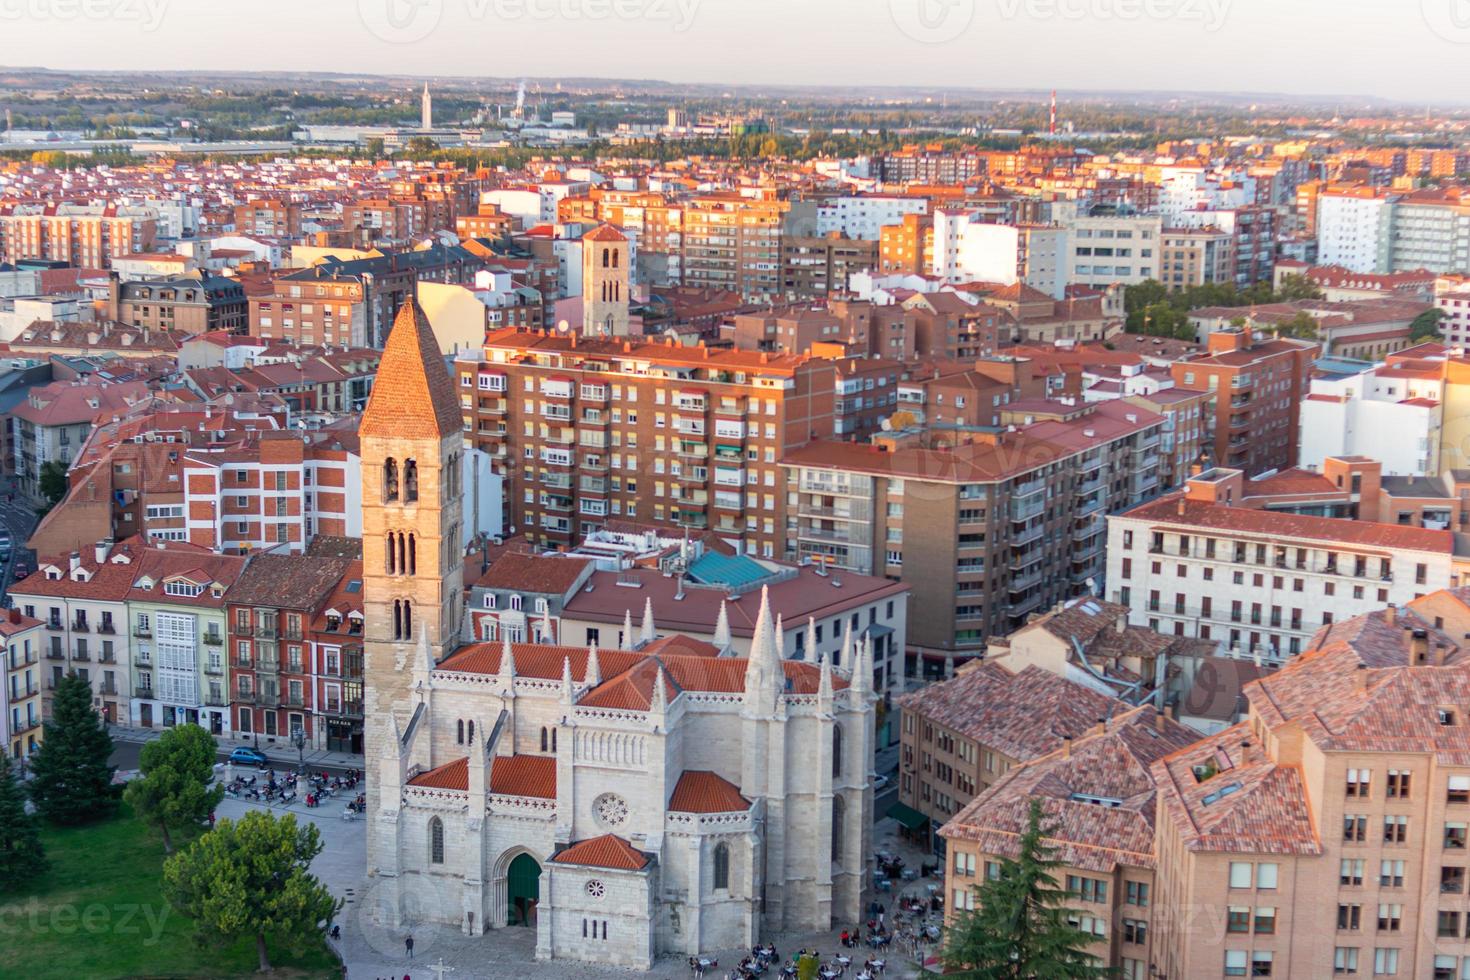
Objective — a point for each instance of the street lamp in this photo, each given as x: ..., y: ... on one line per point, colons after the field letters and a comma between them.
x: 298, y: 739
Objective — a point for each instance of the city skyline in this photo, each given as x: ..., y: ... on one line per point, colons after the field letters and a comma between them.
x: 1306, y: 50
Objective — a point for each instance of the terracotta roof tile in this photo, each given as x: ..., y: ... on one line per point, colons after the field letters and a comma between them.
x: 413, y: 395
x: 700, y: 791
x: 510, y: 775
x: 608, y: 851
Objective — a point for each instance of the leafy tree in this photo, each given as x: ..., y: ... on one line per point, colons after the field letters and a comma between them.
x: 1303, y: 326
x: 1019, y: 928
x: 1161, y: 320
x: 52, y: 481
x: 72, y: 781
x: 251, y: 878
x: 1294, y: 286
x: 1425, y: 326
x: 174, y: 789
x: 21, y: 856
x: 375, y: 147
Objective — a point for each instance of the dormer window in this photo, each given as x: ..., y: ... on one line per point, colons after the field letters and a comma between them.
x: 1446, y: 716
x: 182, y: 588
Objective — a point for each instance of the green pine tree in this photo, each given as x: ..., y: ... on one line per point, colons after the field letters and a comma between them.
x: 21, y: 856
x: 73, y: 780
x: 1019, y: 928
x: 251, y: 878
x: 174, y: 789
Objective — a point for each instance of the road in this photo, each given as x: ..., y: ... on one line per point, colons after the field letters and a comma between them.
x: 18, y: 517
x: 125, y: 756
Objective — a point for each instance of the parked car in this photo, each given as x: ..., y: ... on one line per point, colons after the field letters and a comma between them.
x: 5, y: 546
x: 19, y: 572
x: 246, y: 756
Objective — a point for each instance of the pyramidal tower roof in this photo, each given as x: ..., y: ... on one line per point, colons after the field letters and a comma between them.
x: 413, y: 394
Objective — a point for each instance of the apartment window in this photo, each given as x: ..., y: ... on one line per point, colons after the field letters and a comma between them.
x: 1451, y: 880
x: 1398, y: 784
x: 1454, y: 836
x: 1391, y: 874
x: 1359, y: 782
x: 1345, y: 960
x: 1349, y: 917
x: 1236, y: 962
x: 1240, y: 874
x: 1350, y: 871
x: 1447, y: 925
x: 1136, y: 893
x: 1266, y: 875
x: 1265, y: 921
x: 1354, y: 828
x: 1395, y: 829
x: 1385, y: 962
x: 1390, y: 917
x: 1262, y: 963
x: 1238, y: 919
x: 1087, y: 889
x: 1135, y: 931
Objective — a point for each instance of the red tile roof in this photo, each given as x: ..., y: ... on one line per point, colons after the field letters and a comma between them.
x: 700, y: 791
x: 510, y: 775
x: 607, y: 851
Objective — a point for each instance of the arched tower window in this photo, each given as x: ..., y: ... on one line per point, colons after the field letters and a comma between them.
x: 436, y: 841
x: 615, y: 258
x: 390, y: 554
x: 839, y: 808
x: 390, y: 480
x: 544, y: 740
x: 553, y: 740
x: 722, y: 865
x: 407, y: 620
x: 397, y: 619
x: 412, y: 555
x: 470, y: 739
x: 836, y: 751
x: 410, y: 481
x: 459, y: 732
x: 605, y: 253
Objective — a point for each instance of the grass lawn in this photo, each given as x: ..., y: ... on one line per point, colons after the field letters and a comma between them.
x: 99, y: 913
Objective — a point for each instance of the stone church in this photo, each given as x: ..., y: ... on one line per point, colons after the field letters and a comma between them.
x: 664, y: 797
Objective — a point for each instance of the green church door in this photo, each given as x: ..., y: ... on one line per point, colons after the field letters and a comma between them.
x: 523, y: 888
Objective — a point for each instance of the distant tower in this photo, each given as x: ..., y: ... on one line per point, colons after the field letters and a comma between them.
x: 1052, y: 128
x: 426, y: 113
x: 605, y: 282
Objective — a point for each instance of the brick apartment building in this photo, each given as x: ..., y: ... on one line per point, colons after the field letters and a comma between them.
x: 271, y: 608
x: 586, y: 430
x: 1258, y: 386
x: 985, y: 533
x: 190, y: 304
x: 272, y: 218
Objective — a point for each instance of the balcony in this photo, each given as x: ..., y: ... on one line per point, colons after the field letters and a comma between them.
x: 294, y: 701
x: 107, y: 658
x: 1032, y: 533
x: 55, y: 655
x: 106, y: 627
x: 265, y: 632
x: 1020, y: 583
x: 346, y: 709
x: 146, y: 693
x: 108, y: 690
x: 268, y: 667
x: 80, y: 626
x: 267, y: 699
x: 556, y: 481
x: 1023, y: 606
x: 142, y: 632
x: 213, y: 639
x: 214, y: 668
x: 216, y: 701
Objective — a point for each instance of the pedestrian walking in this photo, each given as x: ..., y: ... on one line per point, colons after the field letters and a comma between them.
x: 408, y: 945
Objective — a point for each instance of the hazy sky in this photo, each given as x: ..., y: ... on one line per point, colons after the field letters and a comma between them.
x: 1417, y: 50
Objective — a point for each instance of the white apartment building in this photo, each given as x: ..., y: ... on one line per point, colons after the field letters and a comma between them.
x: 1431, y: 234
x: 1390, y: 414
x: 1452, y: 298
x: 1183, y: 189
x: 1198, y: 563
x: 1355, y: 229
x: 864, y: 216
x: 1105, y: 249
x: 82, y: 602
x: 968, y: 249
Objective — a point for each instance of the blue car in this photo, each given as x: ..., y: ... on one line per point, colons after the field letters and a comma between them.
x: 246, y: 756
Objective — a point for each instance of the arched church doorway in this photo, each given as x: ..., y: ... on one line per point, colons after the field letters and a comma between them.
x: 523, y: 891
